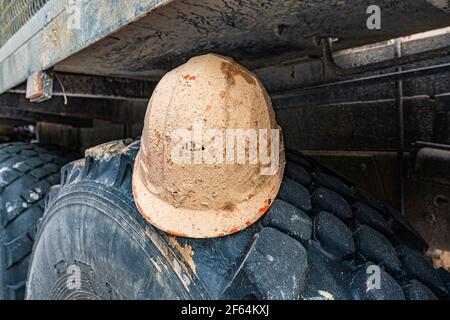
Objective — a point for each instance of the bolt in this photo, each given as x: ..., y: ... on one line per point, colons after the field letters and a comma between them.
x: 430, y: 217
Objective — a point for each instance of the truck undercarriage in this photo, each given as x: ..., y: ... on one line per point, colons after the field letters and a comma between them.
x: 369, y: 101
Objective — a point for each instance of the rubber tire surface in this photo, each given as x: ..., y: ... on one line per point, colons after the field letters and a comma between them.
x: 27, y: 172
x: 323, y: 238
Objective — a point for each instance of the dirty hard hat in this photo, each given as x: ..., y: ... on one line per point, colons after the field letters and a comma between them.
x: 211, y: 159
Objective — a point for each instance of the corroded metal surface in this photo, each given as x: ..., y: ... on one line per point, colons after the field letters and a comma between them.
x: 166, y: 33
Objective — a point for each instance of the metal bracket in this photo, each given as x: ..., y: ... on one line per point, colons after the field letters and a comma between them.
x: 328, y: 60
x: 433, y: 161
x: 40, y: 86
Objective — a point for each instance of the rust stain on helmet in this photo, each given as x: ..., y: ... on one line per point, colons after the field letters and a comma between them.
x: 206, y: 199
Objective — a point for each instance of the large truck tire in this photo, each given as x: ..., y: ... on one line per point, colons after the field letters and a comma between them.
x: 27, y: 171
x: 323, y: 238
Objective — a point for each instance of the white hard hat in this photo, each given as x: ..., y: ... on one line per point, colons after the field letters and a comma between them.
x: 175, y: 186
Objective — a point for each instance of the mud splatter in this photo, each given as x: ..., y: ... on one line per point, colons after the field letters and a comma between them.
x: 186, y: 252
x: 229, y: 206
x: 231, y: 70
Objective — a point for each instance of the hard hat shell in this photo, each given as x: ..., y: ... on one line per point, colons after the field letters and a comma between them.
x: 198, y: 199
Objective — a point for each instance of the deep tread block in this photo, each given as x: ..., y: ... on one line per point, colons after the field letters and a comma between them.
x: 51, y: 167
x: 299, y: 159
x: 334, y: 236
x: 4, y: 157
x: 336, y: 185
x: 7, y: 175
x: 21, y: 166
x: 404, y: 231
x: 60, y: 161
x: 17, y: 249
x: 418, y: 268
x: 274, y: 268
x: 41, y: 203
x: 371, y: 217
x: 375, y: 247
x: 10, y: 210
x: 324, y: 199
x: 34, y: 162
x: 29, y: 153
x: 366, y: 198
x: 31, y: 196
x: 417, y: 291
x: 364, y: 285
x: 16, y: 291
x: 47, y: 157
x: 39, y: 173
x: 32, y: 233
x: 15, y: 148
x: 53, y: 179
x: 289, y: 219
x: 444, y: 274
x: 326, y: 278
x: 297, y: 173
x: 41, y: 187
x: 295, y: 193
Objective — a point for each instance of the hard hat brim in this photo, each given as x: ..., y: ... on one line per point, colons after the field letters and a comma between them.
x: 203, y: 223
